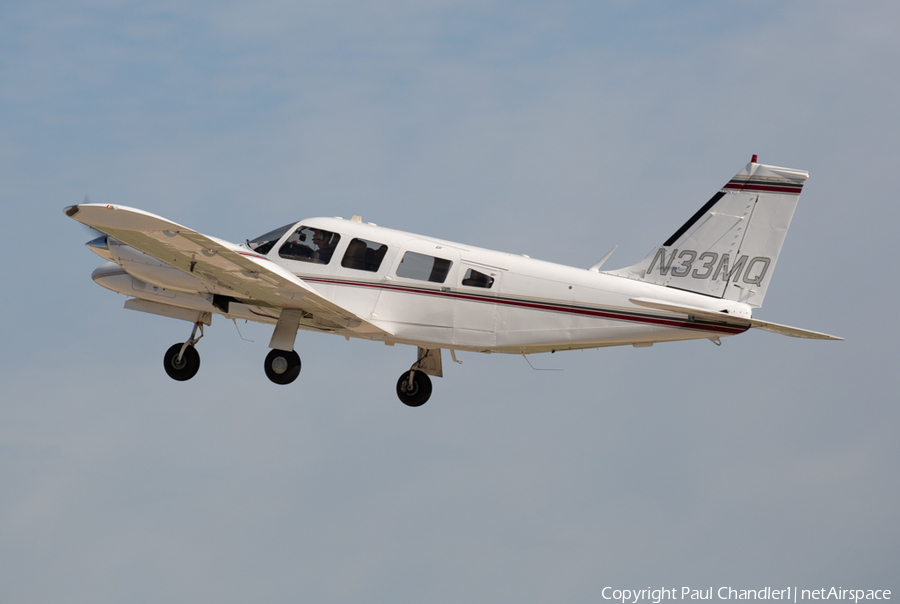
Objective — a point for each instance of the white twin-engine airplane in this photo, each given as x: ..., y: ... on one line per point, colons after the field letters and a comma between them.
x: 360, y: 280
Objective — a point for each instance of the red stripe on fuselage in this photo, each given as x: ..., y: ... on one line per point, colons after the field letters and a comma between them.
x: 546, y: 306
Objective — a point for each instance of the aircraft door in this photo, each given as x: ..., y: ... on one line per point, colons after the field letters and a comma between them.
x: 476, y: 309
x: 417, y: 288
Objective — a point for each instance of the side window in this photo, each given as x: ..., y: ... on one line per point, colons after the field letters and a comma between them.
x: 310, y: 245
x: 364, y: 255
x: 475, y: 279
x: 423, y: 268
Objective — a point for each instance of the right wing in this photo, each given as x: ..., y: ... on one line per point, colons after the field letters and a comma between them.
x: 253, y: 278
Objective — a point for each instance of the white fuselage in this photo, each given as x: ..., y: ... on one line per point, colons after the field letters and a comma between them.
x: 529, y: 305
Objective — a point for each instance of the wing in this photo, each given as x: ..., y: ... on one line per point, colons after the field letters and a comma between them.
x: 250, y: 276
x: 710, y: 315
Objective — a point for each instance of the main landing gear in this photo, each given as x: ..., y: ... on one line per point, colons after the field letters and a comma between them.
x: 414, y: 386
x: 282, y: 366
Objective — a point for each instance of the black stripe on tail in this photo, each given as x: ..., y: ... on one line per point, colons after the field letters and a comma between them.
x: 693, y: 220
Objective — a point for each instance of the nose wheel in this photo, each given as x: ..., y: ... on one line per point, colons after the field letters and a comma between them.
x: 414, y: 388
x: 182, y: 361
x: 282, y: 366
x: 180, y: 364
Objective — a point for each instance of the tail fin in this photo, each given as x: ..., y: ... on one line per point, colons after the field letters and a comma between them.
x: 728, y: 249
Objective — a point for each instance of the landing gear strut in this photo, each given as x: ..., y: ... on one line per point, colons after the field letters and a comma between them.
x: 282, y: 366
x: 182, y: 361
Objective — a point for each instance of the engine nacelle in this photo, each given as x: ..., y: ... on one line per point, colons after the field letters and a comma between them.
x: 161, y: 301
x: 113, y: 277
x: 152, y: 271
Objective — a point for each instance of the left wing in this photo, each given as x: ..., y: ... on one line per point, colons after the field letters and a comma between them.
x: 735, y: 320
x: 252, y: 277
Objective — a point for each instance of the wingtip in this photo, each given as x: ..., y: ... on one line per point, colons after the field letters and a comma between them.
x: 70, y: 211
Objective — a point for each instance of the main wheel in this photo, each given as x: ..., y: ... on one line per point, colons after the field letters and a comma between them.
x: 420, y: 392
x: 282, y: 366
x: 183, y: 369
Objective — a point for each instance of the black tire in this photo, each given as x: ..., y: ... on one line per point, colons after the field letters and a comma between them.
x: 282, y: 366
x: 420, y: 392
x: 186, y: 368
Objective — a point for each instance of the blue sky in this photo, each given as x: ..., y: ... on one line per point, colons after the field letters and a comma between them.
x: 766, y: 461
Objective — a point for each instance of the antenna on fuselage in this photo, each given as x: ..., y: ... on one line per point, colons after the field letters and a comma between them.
x: 596, y: 267
x: 537, y: 368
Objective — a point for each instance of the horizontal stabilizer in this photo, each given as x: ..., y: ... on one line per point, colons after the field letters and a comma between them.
x: 731, y: 319
x: 794, y: 332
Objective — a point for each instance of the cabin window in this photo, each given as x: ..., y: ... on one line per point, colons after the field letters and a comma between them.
x: 364, y: 255
x: 264, y: 243
x: 310, y: 245
x: 474, y: 278
x: 424, y: 268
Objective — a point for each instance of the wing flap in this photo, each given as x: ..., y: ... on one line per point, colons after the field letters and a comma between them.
x: 710, y: 315
x: 249, y: 275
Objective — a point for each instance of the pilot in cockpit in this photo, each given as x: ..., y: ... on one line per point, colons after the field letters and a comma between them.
x: 324, y: 243
x: 310, y: 245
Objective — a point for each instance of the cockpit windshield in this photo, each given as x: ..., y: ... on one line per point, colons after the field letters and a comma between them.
x: 264, y: 243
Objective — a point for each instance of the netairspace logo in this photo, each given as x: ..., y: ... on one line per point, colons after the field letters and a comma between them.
x: 633, y: 596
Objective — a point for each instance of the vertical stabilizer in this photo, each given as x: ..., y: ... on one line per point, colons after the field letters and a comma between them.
x: 728, y: 249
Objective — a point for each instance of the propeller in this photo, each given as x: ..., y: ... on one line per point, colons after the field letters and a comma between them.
x: 94, y: 233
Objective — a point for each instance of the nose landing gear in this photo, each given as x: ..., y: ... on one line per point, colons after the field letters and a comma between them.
x: 182, y: 361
